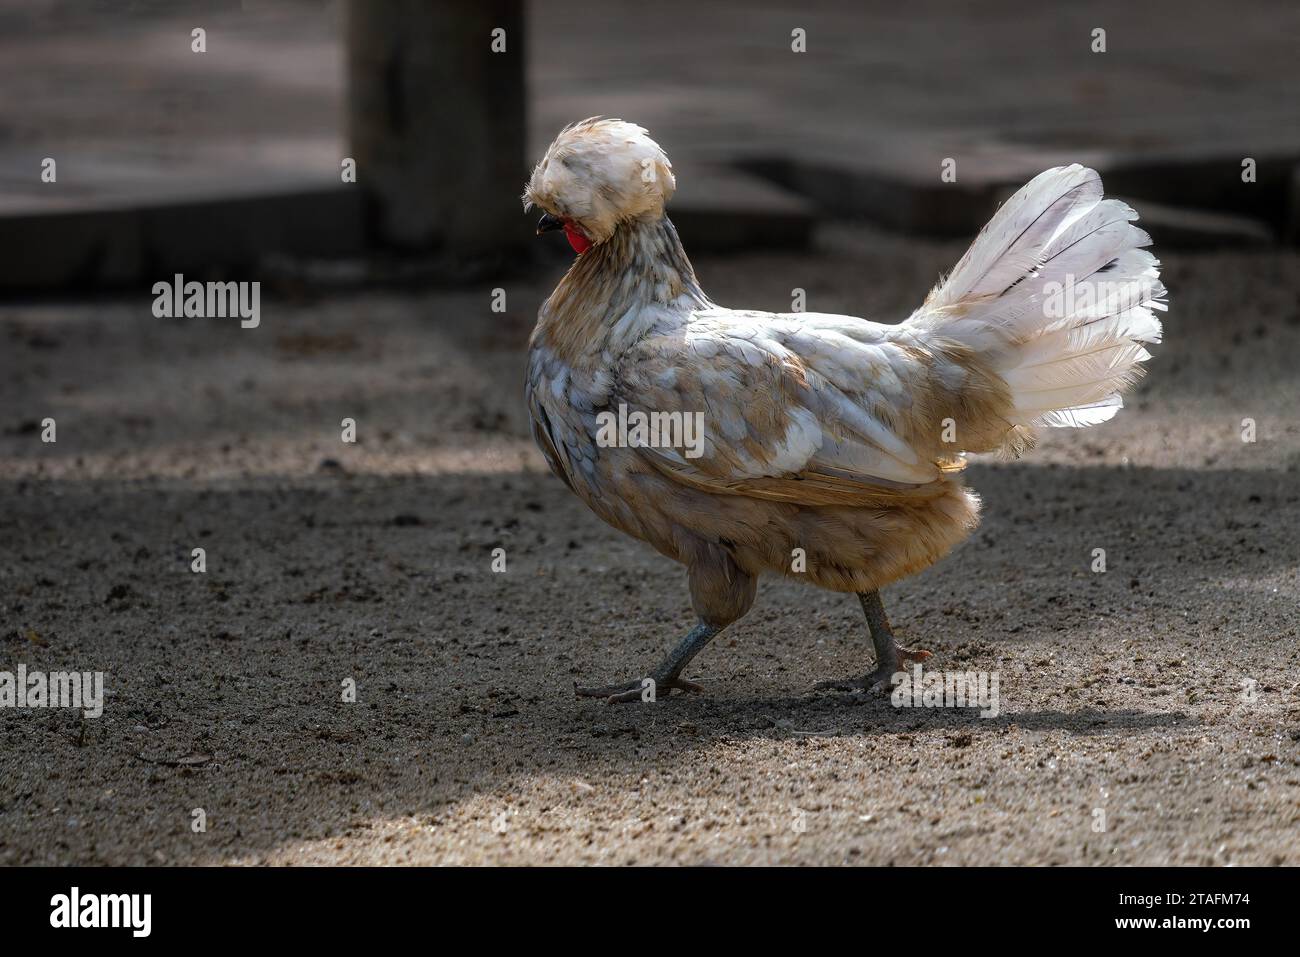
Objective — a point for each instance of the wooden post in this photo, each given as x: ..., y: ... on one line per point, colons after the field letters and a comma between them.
x: 437, y: 122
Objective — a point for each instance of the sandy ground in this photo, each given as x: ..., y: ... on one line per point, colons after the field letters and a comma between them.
x: 1163, y: 692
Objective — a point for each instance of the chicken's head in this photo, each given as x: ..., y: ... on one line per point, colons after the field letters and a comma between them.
x: 596, y: 175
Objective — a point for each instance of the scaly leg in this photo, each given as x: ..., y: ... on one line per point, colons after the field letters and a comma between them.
x: 666, y: 677
x: 890, y: 658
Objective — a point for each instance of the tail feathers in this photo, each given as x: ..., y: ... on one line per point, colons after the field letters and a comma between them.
x: 1056, y: 297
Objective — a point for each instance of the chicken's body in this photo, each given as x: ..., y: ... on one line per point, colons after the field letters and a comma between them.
x: 831, y: 446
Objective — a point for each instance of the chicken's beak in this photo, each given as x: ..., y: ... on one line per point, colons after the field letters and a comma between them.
x: 548, y: 223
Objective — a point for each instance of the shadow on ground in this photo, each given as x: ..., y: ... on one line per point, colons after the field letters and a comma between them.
x: 463, y: 675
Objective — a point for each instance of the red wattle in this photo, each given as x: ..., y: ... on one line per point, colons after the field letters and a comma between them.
x: 579, y: 242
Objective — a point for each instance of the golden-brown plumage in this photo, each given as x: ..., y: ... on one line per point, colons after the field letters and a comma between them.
x: 830, y: 448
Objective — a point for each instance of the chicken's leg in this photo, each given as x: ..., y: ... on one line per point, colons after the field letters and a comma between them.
x: 720, y: 593
x: 666, y: 677
x: 890, y: 658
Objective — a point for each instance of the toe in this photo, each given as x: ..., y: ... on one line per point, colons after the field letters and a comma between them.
x: 606, y: 692
x: 636, y: 690
x: 624, y: 697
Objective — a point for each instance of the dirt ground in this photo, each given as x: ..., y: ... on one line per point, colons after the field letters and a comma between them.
x: 1163, y: 692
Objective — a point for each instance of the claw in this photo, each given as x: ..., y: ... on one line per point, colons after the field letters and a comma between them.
x: 609, y: 692
x: 624, y: 697
x: 626, y: 693
x: 879, y: 681
x: 873, y: 683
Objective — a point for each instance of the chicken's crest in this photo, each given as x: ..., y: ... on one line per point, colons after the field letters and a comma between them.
x: 599, y: 173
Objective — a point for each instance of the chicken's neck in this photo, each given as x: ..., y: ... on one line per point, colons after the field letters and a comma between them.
x: 618, y: 291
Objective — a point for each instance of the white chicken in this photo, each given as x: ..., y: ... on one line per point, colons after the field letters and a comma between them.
x: 830, y: 448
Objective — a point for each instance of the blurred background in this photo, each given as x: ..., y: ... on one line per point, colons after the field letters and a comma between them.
x: 171, y: 159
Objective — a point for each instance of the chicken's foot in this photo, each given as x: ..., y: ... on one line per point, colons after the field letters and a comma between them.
x: 890, y: 657
x: 663, y: 679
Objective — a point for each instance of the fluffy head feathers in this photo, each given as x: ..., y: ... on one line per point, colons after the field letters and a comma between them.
x: 599, y: 173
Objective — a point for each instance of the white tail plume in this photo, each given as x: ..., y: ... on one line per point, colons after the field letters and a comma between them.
x: 1056, y: 296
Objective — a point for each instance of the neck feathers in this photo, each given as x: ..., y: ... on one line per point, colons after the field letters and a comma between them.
x: 617, y: 291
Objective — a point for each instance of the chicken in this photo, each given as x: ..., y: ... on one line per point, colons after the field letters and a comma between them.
x: 830, y: 448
